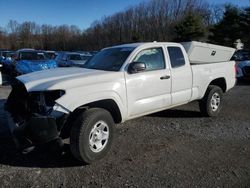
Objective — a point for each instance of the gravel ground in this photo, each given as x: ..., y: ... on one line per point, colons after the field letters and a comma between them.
x: 173, y: 148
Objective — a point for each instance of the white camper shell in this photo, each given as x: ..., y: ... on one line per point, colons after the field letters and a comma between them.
x: 203, y: 53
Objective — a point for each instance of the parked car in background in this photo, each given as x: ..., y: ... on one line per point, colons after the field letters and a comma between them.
x: 5, y: 54
x: 86, y: 57
x: 93, y: 52
x: 1, y: 51
x: 72, y: 59
x: 6, y: 60
x: 29, y: 60
x: 83, y: 52
x: 242, y: 58
x: 50, y: 54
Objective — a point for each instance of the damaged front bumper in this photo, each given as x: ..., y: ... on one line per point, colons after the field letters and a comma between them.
x: 38, y: 130
x: 34, y: 118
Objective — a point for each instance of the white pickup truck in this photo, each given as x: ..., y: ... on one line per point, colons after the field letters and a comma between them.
x: 120, y: 83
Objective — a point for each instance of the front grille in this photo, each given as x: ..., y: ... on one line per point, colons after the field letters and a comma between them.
x: 247, y: 70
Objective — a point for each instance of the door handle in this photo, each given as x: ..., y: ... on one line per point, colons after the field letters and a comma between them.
x: 165, y: 77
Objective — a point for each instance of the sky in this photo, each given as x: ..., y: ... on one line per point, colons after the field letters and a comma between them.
x: 72, y: 12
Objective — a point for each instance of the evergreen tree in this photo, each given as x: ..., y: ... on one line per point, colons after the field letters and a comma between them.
x: 190, y: 28
x: 228, y: 30
x: 245, y: 26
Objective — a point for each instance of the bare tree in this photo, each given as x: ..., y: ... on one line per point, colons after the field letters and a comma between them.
x: 148, y: 21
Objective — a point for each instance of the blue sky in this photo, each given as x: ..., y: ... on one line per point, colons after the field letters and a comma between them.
x: 72, y: 12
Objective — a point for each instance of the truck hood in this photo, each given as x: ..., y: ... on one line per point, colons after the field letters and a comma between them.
x: 64, y: 78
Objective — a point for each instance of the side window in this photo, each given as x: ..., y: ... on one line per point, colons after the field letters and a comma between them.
x: 176, y: 57
x: 153, y: 58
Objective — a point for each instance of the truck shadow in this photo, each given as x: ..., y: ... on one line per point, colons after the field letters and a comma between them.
x: 177, y: 113
x: 42, y: 158
x: 39, y: 157
x: 243, y: 82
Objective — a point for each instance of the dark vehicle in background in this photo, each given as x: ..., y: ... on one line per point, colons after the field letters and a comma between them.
x: 93, y: 52
x: 6, y: 60
x: 5, y: 54
x: 72, y: 59
x: 1, y: 52
x: 86, y: 57
x: 83, y: 52
x: 29, y: 60
x: 242, y: 58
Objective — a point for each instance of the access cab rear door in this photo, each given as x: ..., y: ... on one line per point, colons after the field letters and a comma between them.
x: 181, y: 73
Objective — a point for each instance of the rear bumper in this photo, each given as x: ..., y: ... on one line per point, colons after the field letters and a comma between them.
x: 38, y: 130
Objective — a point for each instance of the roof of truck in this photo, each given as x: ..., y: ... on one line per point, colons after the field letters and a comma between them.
x: 135, y: 45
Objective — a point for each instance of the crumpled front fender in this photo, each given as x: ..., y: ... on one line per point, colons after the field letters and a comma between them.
x: 73, y: 100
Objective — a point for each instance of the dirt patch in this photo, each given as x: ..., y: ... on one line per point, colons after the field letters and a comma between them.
x: 175, y: 148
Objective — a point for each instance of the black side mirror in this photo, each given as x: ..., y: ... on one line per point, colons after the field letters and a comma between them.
x: 136, y: 67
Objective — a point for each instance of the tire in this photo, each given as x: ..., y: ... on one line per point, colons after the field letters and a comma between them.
x: 211, y: 103
x: 92, y: 135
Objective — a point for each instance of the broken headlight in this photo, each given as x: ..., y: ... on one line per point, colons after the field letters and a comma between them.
x: 42, y: 102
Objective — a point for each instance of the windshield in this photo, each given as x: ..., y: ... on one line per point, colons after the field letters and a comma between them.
x: 110, y: 59
x: 31, y: 56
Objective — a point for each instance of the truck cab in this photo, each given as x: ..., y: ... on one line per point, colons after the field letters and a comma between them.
x: 165, y: 81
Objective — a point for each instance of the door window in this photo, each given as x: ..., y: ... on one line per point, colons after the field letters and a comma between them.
x: 153, y: 58
x: 176, y: 57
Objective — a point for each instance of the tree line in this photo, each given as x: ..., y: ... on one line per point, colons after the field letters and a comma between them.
x: 154, y: 20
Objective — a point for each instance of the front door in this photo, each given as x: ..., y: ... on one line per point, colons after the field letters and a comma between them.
x: 149, y: 90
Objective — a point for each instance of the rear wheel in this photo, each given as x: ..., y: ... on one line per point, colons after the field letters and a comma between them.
x: 211, y: 103
x: 92, y: 135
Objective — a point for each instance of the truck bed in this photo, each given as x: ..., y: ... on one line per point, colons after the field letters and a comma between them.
x: 204, y: 73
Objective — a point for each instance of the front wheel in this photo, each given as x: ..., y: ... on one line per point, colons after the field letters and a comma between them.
x: 92, y: 135
x: 211, y: 103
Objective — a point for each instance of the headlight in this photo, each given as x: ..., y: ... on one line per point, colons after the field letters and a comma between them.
x: 43, y: 101
x: 47, y: 97
x: 51, y: 96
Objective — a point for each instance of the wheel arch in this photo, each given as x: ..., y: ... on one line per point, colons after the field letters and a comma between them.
x: 220, y: 82
x: 108, y: 104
